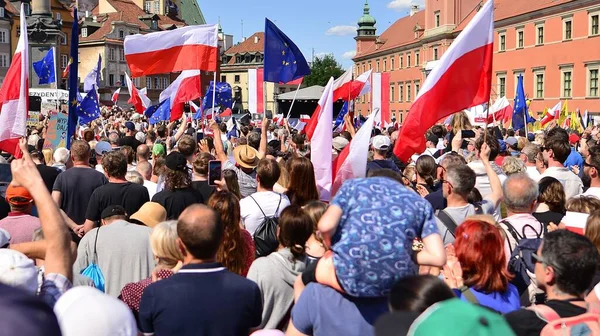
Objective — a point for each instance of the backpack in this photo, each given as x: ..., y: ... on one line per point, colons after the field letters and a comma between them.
x: 265, y: 236
x: 93, y: 271
x: 585, y: 324
x: 468, y: 294
x: 520, y: 262
x: 449, y: 222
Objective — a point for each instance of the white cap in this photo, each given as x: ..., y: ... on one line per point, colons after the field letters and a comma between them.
x: 141, y: 137
x: 381, y: 142
x: 17, y: 270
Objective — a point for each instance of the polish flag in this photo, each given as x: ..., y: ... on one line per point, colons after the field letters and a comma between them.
x: 226, y: 113
x: 65, y: 73
x: 14, y: 96
x: 278, y: 119
x: 460, y: 80
x: 347, y: 89
x: 186, y: 48
x: 304, y: 118
x: 115, y: 95
x: 311, y: 124
x: 552, y: 114
x: 352, y: 161
x: 183, y: 89
x: 381, y: 96
x: 256, y: 95
x: 501, y: 110
x: 193, y: 107
x: 136, y: 98
x: 321, y: 143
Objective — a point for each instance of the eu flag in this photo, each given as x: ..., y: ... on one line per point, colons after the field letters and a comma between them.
x: 520, y: 108
x: 283, y: 60
x: 89, y: 108
x: 223, y: 95
x: 161, y: 112
x: 340, y: 118
x: 73, y: 80
x: 44, y: 68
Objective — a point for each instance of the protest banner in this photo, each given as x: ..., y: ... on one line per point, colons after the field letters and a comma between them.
x: 56, y: 136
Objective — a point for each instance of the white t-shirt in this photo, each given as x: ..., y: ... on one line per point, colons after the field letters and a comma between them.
x: 252, y: 216
x: 571, y: 182
x: 592, y: 191
x: 533, y: 173
x: 151, y: 186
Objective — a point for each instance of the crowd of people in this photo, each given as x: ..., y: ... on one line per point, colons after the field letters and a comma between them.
x: 487, y: 232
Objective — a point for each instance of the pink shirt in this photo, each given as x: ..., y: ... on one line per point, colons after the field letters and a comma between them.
x: 20, y: 226
x: 526, y: 226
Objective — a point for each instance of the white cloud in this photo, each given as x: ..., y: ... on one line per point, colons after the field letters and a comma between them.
x: 341, y: 30
x: 400, y: 5
x: 349, y: 54
x: 322, y: 54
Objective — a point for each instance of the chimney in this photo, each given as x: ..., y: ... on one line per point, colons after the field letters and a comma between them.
x: 255, y: 39
x: 414, y: 9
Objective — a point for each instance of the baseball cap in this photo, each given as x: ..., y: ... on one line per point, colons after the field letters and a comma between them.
x: 573, y: 138
x: 339, y: 143
x: 140, y: 136
x: 113, y: 210
x: 463, y: 318
x: 13, y: 192
x: 176, y: 161
x: 381, y: 142
x: 511, y: 141
x: 130, y: 126
x: 103, y: 147
x: 17, y: 270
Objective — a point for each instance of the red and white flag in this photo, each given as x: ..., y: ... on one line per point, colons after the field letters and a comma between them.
x: 183, y: 89
x: 226, y: 113
x: 136, y: 98
x: 501, y: 110
x: 460, y: 80
x: 115, y: 95
x: 352, y: 161
x: 381, y: 96
x: 311, y: 123
x: 186, y: 48
x: 14, y: 95
x: 256, y: 95
x: 321, y: 143
x: 552, y: 114
x: 278, y: 119
x: 347, y: 89
x: 193, y: 107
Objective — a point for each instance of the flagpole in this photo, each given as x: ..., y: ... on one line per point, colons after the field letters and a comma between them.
x: 56, y: 79
x: 264, y: 99
x: 293, y: 100
x: 214, y: 93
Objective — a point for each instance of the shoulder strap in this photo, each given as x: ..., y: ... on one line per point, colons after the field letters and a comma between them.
x: 469, y: 295
x: 448, y: 222
x: 278, y: 204
x: 95, y: 241
x: 261, y: 210
x: 545, y: 313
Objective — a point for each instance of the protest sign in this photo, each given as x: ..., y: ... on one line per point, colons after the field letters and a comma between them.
x: 56, y: 136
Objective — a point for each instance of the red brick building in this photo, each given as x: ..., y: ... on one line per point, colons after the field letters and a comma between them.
x: 555, y: 45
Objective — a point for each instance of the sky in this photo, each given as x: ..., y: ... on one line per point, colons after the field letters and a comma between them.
x: 319, y: 26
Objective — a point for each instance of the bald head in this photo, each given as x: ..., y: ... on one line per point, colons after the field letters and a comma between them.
x: 143, y: 153
x: 145, y: 169
x: 520, y: 193
x: 200, y: 230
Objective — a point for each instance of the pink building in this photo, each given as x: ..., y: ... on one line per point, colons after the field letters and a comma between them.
x: 555, y: 45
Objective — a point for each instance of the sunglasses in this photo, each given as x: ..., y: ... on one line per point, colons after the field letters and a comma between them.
x: 585, y: 164
x: 538, y: 259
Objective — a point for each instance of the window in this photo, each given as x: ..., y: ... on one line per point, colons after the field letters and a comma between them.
x: 63, y: 40
x: 4, y: 36
x: 223, y: 78
x: 122, y: 81
x: 408, y: 61
x: 540, y: 35
x: 258, y: 58
x: 165, y: 81
x: 157, y: 7
x: 401, y: 62
x: 121, y: 54
x: 1, y: 11
x: 84, y: 32
x: 408, y: 92
x: 437, y: 19
x: 502, y: 86
x: 121, y: 34
x: 4, y: 60
x: 568, y: 33
x: 593, y: 82
x: 417, y: 88
x: 567, y: 83
x: 539, y: 85
x: 27, y: 8
x: 148, y: 82
x: 594, y: 24
x: 136, y: 81
x: 502, y: 38
x: 520, y: 38
x: 384, y: 65
x: 111, y: 54
x: 392, y: 65
x: 148, y: 6
x: 236, y: 78
x: 400, y: 92
x: 247, y: 58
x: 156, y: 82
x: 377, y: 69
x: 111, y: 80
x: 417, y: 59
x: 58, y: 17
x: 238, y: 58
x: 154, y: 25
x: 392, y: 92
x: 64, y: 60
x: 435, y: 54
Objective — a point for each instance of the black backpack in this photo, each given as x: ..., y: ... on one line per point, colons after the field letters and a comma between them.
x: 265, y: 236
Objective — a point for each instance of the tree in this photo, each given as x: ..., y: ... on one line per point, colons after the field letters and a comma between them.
x: 322, y: 69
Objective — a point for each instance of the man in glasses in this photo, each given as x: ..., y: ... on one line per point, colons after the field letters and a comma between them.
x: 591, y: 172
x: 564, y: 281
x: 556, y: 150
x: 529, y: 155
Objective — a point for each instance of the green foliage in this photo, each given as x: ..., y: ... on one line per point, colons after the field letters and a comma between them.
x: 322, y: 69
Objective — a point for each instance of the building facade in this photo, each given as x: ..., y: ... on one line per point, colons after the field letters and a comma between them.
x: 5, y: 40
x: 553, y: 44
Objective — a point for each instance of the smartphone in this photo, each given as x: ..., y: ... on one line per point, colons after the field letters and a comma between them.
x: 199, y: 136
x: 214, y: 172
x: 269, y: 115
x: 465, y: 134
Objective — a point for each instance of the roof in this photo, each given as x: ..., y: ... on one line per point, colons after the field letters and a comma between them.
x: 310, y: 93
x: 191, y: 13
x: 248, y: 46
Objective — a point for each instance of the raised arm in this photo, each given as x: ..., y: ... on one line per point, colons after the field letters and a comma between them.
x: 181, y: 129
x: 221, y: 155
x: 496, y: 195
x: 262, y: 149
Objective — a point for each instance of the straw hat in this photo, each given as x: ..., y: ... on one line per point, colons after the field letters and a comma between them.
x: 151, y: 213
x: 246, y: 156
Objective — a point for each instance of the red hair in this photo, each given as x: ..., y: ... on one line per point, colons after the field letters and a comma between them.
x: 480, y: 250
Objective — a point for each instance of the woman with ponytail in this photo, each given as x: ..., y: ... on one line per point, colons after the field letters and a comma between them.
x: 426, y: 169
x: 275, y: 274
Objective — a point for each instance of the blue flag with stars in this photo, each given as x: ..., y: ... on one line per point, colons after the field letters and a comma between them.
x: 73, y: 80
x: 160, y: 112
x: 89, y: 108
x: 44, y: 68
x: 341, y: 115
x: 283, y: 62
x: 520, y: 108
x: 223, y: 95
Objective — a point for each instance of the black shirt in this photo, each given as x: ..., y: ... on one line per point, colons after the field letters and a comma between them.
x: 176, y: 201
x: 547, y: 217
x: 205, y: 189
x: 76, y: 186
x: 525, y: 322
x: 129, y: 140
x: 4, y: 208
x: 129, y: 195
x: 49, y: 175
x: 437, y: 200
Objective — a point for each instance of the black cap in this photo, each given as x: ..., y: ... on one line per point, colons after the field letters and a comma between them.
x: 113, y: 210
x: 176, y: 161
x: 433, y: 138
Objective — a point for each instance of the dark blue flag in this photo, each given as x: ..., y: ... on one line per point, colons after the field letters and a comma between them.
x: 44, y: 68
x: 73, y: 80
x: 520, y: 108
x: 89, y: 108
x: 341, y: 115
x: 283, y: 62
x: 161, y: 112
x: 223, y: 95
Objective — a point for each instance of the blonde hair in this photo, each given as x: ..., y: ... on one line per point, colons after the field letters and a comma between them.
x: 163, y: 242
x: 284, y: 176
x: 513, y: 165
x: 583, y: 204
x: 592, y: 228
x: 460, y: 121
x: 315, y: 210
x: 48, y: 155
